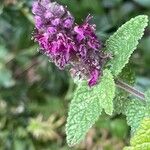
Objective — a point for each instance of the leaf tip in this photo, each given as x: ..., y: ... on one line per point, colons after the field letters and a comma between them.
x: 144, y: 19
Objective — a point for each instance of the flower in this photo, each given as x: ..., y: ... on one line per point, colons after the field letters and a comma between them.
x: 66, y: 43
x: 53, y: 23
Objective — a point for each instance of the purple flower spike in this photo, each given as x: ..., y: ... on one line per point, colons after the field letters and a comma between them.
x: 66, y: 43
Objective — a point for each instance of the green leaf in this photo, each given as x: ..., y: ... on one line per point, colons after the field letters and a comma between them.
x: 124, y: 42
x: 147, y: 98
x: 119, y: 101
x: 127, y: 75
x: 141, y: 139
x: 136, y: 110
x: 87, y: 105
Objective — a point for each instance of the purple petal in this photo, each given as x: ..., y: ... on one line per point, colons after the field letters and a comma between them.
x: 48, y: 15
x: 94, y: 76
x: 68, y: 23
x: 38, y: 22
x: 55, y: 22
x: 80, y: 33
x: 38, y: 9
x: 51, y: 30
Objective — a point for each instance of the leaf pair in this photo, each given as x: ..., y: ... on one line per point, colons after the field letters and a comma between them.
x: 88, y: 103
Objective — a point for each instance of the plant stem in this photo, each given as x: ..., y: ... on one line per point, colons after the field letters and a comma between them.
x: 130, y: 89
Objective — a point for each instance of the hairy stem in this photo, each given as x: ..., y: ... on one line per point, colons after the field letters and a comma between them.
x: 130, y: 89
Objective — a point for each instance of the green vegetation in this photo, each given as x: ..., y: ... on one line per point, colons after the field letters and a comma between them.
x: 35, y: 95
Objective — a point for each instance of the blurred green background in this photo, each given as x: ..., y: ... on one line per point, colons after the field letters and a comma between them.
x: 34, y: 94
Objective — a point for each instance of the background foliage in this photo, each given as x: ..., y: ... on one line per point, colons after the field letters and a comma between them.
x: 34, y: 94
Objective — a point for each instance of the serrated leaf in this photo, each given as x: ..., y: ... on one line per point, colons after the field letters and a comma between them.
x: 136, y: 110
x: 127, y: 75
x: 87, y: 105
x: 123, y: 42
x: 119, y: 101
x: 141, y: 139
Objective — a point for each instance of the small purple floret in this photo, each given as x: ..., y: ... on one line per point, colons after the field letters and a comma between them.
x: 66, y: 43
x: 93, y: 77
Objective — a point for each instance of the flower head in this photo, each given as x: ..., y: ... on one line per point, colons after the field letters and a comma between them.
x: 66, y: 43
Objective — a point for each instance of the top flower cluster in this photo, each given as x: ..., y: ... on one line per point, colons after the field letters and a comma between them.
x: 66, y: 43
